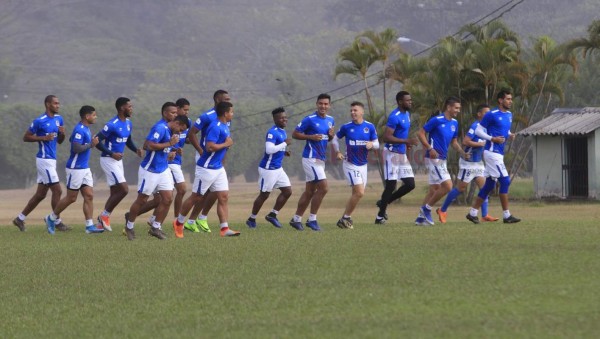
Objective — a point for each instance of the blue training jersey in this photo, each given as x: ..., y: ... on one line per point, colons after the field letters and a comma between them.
x: 357, y: 136
x: 497, y: 124
x: 277, y: 136
x: 312, y: 125
x: 400, y: 123
x: 180, y: 144
x: 45, y: 125
x: 156, y: 161
x: 476, y: 152
x: 217, y: 132
x: 116, y: 133
x: 202, y: 123
x: 441, y: 132
x: 81, y: 135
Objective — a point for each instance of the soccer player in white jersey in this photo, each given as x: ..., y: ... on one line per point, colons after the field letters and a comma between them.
x: 210, y: 173
x: 183, y: 108
x: 47, y: 130
x: 79, y: 176
x: 469, y: 169
x: 361, y: 136
x: 198, y: 220
x: 495, y: 129
x: 317, y: 130
x: 443, y: 132
x: 270, y: 173
x: 114, y: 136
x: 154, y: 174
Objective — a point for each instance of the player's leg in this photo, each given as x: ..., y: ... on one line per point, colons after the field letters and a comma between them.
x: 181, y: 190
x: 285, y: 188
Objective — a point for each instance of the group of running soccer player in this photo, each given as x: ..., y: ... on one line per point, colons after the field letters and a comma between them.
x: 160, y: 171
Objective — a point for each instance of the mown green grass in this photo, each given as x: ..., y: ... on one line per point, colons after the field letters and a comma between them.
x: 539, y: 278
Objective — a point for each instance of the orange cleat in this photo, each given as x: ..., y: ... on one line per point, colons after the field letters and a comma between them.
x: 489, y: 218
x: 104, y: 221
x: 178, y: 228
x: 441, y: 215
x: 226, y: 232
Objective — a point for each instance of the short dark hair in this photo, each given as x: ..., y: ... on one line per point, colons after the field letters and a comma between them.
x: 481, y: 107
x: 84, y: 110
x: 503, y: 93
x: 278, y: 110
x: 120, y: 102
x: 218, y: 93
x: 182, y: 102
x: 451, y: 101
x: 324, y: 96
x: 183, y: 120
x: 48, y: 99
x: 167, y: 105
x: 357, y: 103
x: 400, y: 95
x: 223, y: 107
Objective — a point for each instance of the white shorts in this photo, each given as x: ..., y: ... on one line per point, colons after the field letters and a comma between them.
x: 206, y: 179
x: 79, y: 177
x: 396, y: 166
x: 494, y: 165
x: 113, y: 170
x: 177, y: 173
x: 46, y: 171
x: 438, y: 173
x: 355, y: 175
x: 271, y: 179
x: 469, y: 170
x: 314, y: 169
x: 150, y: 182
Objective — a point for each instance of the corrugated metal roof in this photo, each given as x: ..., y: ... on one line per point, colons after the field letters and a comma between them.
x: 566, y: 121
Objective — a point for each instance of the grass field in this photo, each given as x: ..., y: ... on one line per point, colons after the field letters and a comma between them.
x: 539, y: 278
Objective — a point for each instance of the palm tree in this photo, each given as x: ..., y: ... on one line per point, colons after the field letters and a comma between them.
x: 590, y: 44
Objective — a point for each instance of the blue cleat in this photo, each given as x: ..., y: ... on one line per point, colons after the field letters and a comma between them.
x: 251, y: 223
x: 313, y: 225
x: 420, y: 221
x: 50, y: 225
x: 427, y: 215
x: 273, y: 220
x: 93, y: 229
x: 297, y: 225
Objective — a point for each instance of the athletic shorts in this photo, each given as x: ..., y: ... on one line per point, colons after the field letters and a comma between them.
x: 438, y: 173
x: 271, y: 179
x: 314, y: 169
x: 46, y: 171
x: 113, y: 170
x: 494, y: 165
x: 469, y: 170
x: 206, y: 179
x: 355, y: 175
x: 177, y: 173
x: 79, y: 177
x: 150, y: 182
x: 396, y: 166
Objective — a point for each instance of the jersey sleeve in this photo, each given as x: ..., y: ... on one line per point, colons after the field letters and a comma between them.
x: 33, y: 128
x: 431, y: 124
x: 392, y: 122
x: 455, y: 130
x: 341, y: 133
x: 303, y: 126
x: 106, y: 130
x: 155, y: 134
x: 485, y: 122
x: 212, y: 134
x: 372, y: 132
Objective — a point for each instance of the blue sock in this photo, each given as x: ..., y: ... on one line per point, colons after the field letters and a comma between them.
x: 484, y: 208
x: 449, y: 199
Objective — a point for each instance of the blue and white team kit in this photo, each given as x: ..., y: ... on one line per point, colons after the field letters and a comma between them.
x: 46, y: 155
x: 270, y: 173
x: 315, y: 152
x: 397, y: 165
x: 473, y: 167
x: 357, y: 136
x: 202, y: 123
x: 497, y: 124
x: 441, y: 133
x: 210, y: 174
x: 175, y: 164
x: 116, y: 133
x: 78, y: 168
x: 154, y: 173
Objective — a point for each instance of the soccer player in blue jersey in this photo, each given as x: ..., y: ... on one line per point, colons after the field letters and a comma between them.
x: 210, y: 173
x: 495, y: 129
x: 114, y: 136
x: 183, y: 108
x: 361, y: 137
x: 270, y: 173
x: 47, y: 130
x: 79, y: 176
x: 397, y: 167
x: 198, y: 217
x: 443, y: 132
x: 469, y: 169
x: 154, y: 173
x: 317, y: 130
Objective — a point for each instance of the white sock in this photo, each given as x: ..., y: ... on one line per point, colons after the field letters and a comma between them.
x: 297, y: 218
x: 21, y: 217
x: 181, y: 218
x: 129, y: 225
x: 151, y: 219
x: 202, y: 217
x: 156, y: 224
x: 275, y: 212
x: 105, y: 213
x: 53, y: 217
x: 312, y: 217
x: 58, y: 220
x: 428, y: 207
x: 252, y: 216
x: 506, y: 214
x: 473, y: 212
x: 89, y: 222
x: 224, y: 225
x: 346, y: 216
x: 190, y: 221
